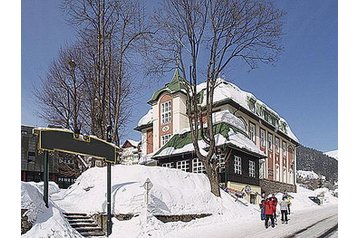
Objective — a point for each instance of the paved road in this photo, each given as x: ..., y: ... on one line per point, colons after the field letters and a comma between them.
x: 317, y: 223
x: 327, y: 227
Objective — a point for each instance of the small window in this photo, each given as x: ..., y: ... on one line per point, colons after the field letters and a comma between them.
x: 262, y: 137
x: 166, y: 112
x: 269, y: 141
x: 165, y: 139
x: 237, y: 165
x: 168, y: 165
x: 221, y: 162
x: 277, y: 173
x: 252, y: 132
x: 284, y: 148
x: 198, y: 166
x: 251, y: 168
x: 31, y: 156
x: 183, y: 165
x: 277, y: 145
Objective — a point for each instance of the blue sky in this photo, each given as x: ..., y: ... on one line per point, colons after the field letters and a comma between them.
x: 302, y: 87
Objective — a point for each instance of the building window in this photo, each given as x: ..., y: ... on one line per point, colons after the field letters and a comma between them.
x: 166, y: 112
x: 290, y: 177
x: 284, y: 148
x: 237, y: 165
x: 269, y: 141
x: 262, y: 137
x: 277, y: 173
x: 165, y: 139
x: 168, y: 165
x: 31, y: 156
x: 284, y: 174
x: 252, y: 132
x: 277, y: 145
x: 183, y: 165
x: 221, y: 162
x: 251, y: 168
x: 198, y: 166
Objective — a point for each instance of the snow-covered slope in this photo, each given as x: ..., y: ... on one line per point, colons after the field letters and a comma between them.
x: 333, y: 154
x: 47, y: 222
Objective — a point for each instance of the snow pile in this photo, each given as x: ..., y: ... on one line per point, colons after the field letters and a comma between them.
x: 47, y: 222
x: 52, y: 187
x: 326, y: 196
x: 174, y: 192
x: 301, y: 201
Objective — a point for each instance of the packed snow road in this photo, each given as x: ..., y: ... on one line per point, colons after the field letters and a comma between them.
x: 321, y: 222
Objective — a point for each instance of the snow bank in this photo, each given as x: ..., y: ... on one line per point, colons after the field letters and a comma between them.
x: 300, y: 200
x: 174, y: 192
x: 52, y: 187
x: 47, y: 222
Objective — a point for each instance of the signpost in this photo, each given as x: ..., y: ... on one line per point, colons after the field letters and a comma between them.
x: 54, y: 139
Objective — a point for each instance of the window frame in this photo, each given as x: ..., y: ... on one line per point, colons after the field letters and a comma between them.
x: 254, y: 131
x: 237, y: 165
x: 180, y: 163
x: 284, y: 148
x: 168, y: 165
x: 252, y: 169
x: 277, y: 145
x: 165, y: 138
x: 269, y: 143
x: 197, y: 166
x: 262, y: 140
x: 166, y: 112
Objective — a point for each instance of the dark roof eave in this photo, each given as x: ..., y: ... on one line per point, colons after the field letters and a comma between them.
x: 259, y: 156
x: 140, y: 128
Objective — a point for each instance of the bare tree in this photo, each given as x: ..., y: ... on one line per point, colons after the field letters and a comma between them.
x: 110, y: 31
x: 60, y: 95
x: 203, y: 37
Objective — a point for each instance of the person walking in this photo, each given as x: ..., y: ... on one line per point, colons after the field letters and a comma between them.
x: 284, y: 208
x: 269, y: 210
x: 288, y: 205
x: 262, y: 209
x: 274, y: 202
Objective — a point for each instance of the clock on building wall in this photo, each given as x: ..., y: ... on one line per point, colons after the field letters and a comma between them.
x: 165, y: 128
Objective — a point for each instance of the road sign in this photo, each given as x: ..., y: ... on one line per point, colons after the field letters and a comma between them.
x: 54, y: 139
x: 148, y: 184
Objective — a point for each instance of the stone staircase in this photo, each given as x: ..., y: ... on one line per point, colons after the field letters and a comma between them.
x: 84, y: 224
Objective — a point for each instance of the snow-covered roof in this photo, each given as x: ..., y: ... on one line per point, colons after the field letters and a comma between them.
x: 226, y: 90
x: 132, y: 142
x: 228, y: 130
x: 146, y: 119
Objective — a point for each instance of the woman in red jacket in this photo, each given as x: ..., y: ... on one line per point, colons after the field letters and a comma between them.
x: 269, y: 211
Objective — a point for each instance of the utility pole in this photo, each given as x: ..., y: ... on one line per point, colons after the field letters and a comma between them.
x: 109, y: 186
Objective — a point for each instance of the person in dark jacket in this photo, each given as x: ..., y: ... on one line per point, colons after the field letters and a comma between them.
x: 269, y: 211
x: 262, y: 209
x: 274, y: 202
